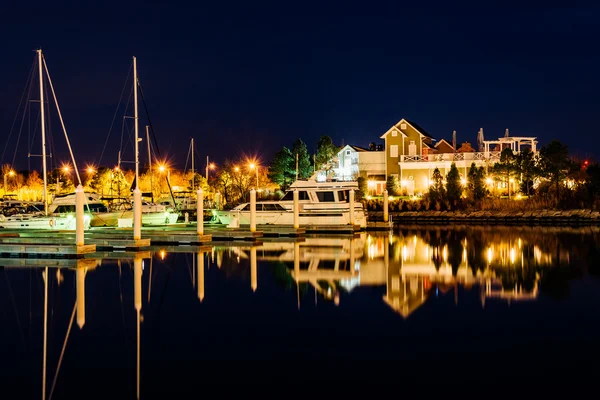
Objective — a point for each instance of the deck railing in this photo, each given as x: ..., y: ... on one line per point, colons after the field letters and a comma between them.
x: 479, y: 156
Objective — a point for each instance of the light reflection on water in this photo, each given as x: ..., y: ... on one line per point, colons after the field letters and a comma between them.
x: 123, y: 300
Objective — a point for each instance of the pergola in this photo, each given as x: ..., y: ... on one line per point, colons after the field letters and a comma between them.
x: 512, y: 142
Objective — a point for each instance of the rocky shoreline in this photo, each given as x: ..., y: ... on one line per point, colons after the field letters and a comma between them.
x: 541, y: 217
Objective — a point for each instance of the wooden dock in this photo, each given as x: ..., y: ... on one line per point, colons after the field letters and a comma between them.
x: 380, y: 226
x: 48, y: 262
x: 43, y: 250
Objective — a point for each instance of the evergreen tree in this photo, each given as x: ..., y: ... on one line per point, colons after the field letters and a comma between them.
x: 326, y: 150
x: 362, y: 188
x: 453, y: 187
x: 526, y: 169
x: 391, y: 185
x: 305, y: 169
x: 437, y: 192
x: 476, y: 182
x: 506, y: 169
x: 555, y: 163
x: 281, y: 170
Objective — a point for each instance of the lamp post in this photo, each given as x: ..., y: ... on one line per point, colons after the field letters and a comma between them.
x: 90, y: 171
x: 65, y: 169
x: 10, y: 173
x: 254, y: 166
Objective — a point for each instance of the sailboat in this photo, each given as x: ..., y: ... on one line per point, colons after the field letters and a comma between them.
x: 45, y: 220
x: 152, y: 214
x: 101, y: 216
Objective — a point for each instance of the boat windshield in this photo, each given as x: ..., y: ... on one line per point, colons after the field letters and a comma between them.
x: 302, y: 195
x: 326, y: 197
x: 264, y: 207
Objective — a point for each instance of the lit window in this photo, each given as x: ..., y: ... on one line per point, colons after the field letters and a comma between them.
x: 394, y: 133
x: 403, y: 126
x: 394, y: 150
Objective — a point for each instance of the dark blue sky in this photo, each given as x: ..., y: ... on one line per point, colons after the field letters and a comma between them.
x: 250, y: 77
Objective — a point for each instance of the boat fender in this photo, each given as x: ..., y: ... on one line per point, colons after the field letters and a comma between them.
x: 51, y: 222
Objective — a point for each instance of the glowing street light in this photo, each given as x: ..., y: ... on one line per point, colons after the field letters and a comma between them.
x: 209, y: 166
x: 10, y: 173
x: 254, y: 166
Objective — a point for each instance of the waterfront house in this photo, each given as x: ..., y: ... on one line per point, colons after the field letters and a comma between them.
x: 352, y: 162
x: 411, y: 155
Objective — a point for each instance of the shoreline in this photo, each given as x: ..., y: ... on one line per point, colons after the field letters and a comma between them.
x: 532, y: 218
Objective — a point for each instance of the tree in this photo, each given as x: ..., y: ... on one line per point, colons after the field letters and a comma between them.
x: 555, y: 163
x: 453, y: 187
x: 362, y: 188
x: 527, y: 169
x: 326, y: 150
x: 506, y: 169
x: 437, y: 192
x: 281, y: 170
x: 391, y: 185
x: 305, y: 169
x: 476, y: 184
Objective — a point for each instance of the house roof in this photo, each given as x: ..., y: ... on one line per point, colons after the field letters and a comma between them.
x: 414, y: 125
x: 355, y: 148
x: 358, y: 148
x: 417, y: 127
x: 444, y: 141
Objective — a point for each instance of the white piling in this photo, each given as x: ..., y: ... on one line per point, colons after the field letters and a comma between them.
x: 137, y: 214
x: 200, y: 276
x: 200, y: 212
x: 296, y: 209
x: 253, y: 271
x: 80, y: 283
x: 351, y: 206
x: 79, y: 216
x: 137, y: 282
x: 252, y: 210
x: 385, y: 206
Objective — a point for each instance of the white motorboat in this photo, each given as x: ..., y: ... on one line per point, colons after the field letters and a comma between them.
x: 320, y: 203
x: 152, y: 214
x: 41, y: 221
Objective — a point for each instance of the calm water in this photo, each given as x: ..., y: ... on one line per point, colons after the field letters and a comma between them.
x: 472, y: 303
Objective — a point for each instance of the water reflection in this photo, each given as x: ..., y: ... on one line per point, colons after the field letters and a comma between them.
x: 402, y: 272
x: 414, y: 264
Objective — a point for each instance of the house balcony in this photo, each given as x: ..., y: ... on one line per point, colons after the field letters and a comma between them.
x: 493, y: 156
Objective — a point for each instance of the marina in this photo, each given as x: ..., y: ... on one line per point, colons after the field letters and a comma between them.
x: 240, y: 195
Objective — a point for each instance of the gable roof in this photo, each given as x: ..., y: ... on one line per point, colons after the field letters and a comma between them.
x: 353, y: 147
x: 443, y: 141
x: 417, y: 127
x: 414, y: 125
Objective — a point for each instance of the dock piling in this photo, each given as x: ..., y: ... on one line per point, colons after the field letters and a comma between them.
x: 79, y: 217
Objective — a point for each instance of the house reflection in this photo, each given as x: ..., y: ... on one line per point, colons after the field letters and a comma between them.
x: 412, y: 266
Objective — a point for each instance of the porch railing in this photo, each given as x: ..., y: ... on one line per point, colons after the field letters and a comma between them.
x: 479, y: 156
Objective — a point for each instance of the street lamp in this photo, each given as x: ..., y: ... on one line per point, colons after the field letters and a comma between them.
x: 10, y: 173
x: 254, y: 166
x: 209, y: 166
x: 65, y: 168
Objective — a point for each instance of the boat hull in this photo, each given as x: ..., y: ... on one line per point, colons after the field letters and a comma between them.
x: 42, y: 222
x: 311, y: 218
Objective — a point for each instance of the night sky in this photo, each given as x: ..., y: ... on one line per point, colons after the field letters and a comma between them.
x: 245, y: 78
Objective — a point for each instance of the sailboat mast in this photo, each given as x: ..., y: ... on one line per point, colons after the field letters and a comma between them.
x: 192, y: 164
x: 149, y: 161
x: 42, y: 118
x: 135, y: 117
